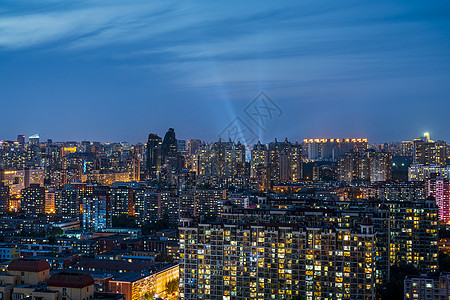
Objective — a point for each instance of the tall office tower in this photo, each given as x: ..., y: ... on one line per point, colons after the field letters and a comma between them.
x: 259, y: 158
x: 121, y: 199
x: 33, y: 200
x: 193, y: 146
x: 182, y: 147
x: 276, y: 261
x: 439, y: 188
x: 4, y: 198
x: 34, y: 140
x: 169, y: 145
x: 153, y: 155
x: 97, y: 211
x: 428, y: 152
x: 21, y: 139
x: 407, y: 148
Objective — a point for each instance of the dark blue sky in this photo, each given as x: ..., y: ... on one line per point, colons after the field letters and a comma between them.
x: 117, y: 70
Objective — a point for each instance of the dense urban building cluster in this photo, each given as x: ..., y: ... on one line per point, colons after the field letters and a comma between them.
x: 318, y: 219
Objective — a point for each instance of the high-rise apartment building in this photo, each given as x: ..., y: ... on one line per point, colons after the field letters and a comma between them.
x: 332, y: 149
x: 428, y: 152
x: 97, y: 211
x: 276, y: 261
x: 439, y: 188
x: 4, y: 198
x: 33, y: 200
x: 122, y: 200
x: 407, y: 148
x: 368, y: 166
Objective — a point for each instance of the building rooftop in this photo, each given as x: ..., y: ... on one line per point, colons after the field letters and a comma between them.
x: 29, y: 265
x: 70, y: 280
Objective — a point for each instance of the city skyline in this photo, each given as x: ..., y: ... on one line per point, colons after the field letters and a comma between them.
x: 116, y: 71
x: 300, y: 140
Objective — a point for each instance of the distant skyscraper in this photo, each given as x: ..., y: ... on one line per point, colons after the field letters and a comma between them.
x: 169, y: 145
x: 181, y: 145
x: 21, y: 139
x: 86, y: 146
x: 34, y: 139
x: 193, y: 146
x: 153, y: 154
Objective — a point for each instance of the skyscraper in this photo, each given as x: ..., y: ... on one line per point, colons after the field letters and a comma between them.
x: 169, y: 145
x: 193, y: 146
x: 153, y: 154
x: 21, y: 139
x: 34, y: 139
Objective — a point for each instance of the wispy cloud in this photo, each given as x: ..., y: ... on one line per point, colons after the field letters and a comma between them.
x: 207, y: 44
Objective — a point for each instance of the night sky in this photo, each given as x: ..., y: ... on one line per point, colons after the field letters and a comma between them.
x: 118, y: 70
